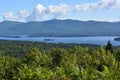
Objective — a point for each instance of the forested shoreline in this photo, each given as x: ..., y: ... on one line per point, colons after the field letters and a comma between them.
x: 24, y: 60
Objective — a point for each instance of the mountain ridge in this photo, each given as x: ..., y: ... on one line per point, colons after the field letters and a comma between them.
x: 57, y: 27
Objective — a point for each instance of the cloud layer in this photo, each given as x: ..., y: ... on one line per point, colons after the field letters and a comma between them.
x: 41, y: 13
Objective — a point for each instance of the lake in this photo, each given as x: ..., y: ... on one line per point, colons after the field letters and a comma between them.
x: 99, y: 40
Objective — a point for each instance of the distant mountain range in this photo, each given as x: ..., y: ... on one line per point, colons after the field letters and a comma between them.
x: 60, y: 28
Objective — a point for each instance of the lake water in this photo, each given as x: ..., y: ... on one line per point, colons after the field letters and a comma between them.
x: 100, y: 40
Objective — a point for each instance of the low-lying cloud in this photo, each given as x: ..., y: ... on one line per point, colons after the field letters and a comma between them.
x: 41, y: 13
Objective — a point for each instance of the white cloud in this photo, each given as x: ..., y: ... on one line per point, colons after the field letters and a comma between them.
x: 41, y: 13
x: 117, y: 3
x: 21, y: 15
x: 107, y: 4
x: 102, y: 4
x: 60, y: 9
x: 37, y: 13
x: 85, y: 7
x: 9, y: 16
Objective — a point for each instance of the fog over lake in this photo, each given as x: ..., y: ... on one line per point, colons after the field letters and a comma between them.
x: 99, y: 40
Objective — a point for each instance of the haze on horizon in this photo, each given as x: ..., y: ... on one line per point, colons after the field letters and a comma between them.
x: 41, y: 10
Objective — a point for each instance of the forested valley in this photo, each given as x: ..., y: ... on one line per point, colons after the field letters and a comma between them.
x: 24, y: 60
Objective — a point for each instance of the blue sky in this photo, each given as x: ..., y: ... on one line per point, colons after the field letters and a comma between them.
x: 40, y: 10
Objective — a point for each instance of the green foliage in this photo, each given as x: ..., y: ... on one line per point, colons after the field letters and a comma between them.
x: 77, y: 63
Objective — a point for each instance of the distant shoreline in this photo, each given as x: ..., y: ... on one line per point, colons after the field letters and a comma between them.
x: 19, y: 36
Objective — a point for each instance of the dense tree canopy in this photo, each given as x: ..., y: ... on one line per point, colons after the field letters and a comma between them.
x: 76, y: 63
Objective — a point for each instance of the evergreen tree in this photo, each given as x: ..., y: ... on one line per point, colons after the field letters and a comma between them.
x: 109, y: 47
x: 57, y: 57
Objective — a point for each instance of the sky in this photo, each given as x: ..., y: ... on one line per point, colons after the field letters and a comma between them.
x: 41, y: 10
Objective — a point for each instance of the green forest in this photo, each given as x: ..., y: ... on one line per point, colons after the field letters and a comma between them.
x: 24, y: 60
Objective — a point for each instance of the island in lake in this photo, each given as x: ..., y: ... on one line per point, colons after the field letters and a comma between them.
x: 117, y: 39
